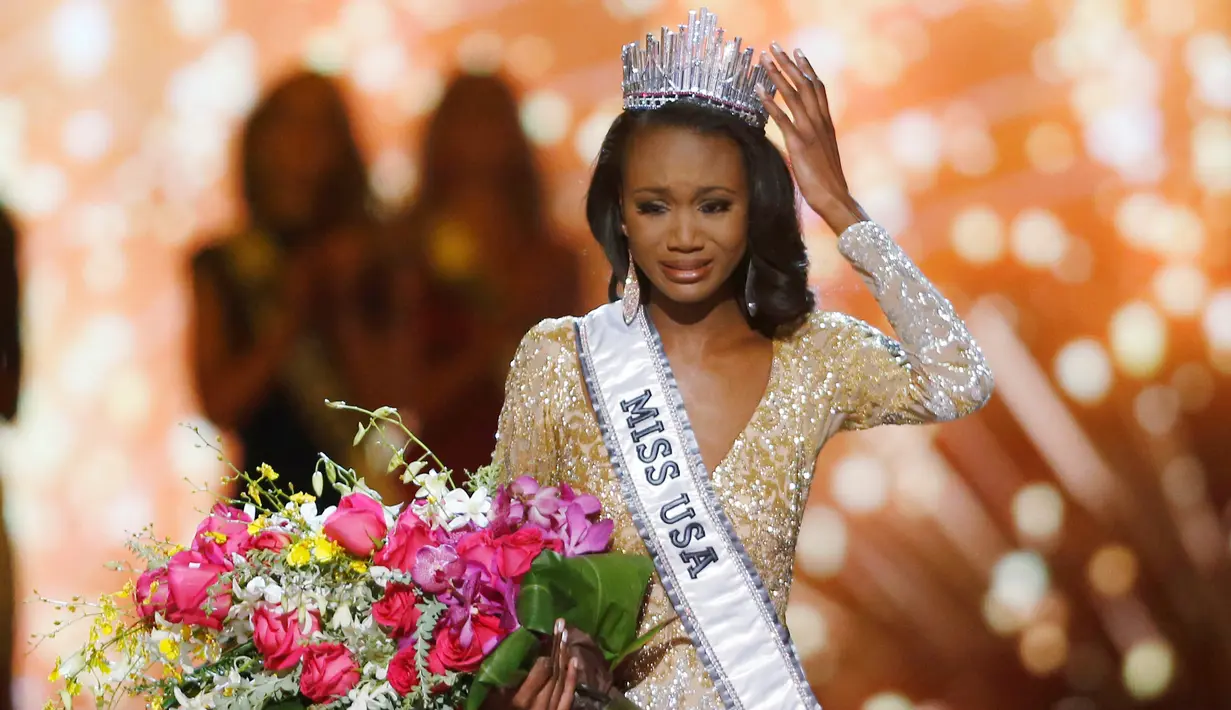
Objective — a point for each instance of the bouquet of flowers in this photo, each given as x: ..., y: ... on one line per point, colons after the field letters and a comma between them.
x: 276, y: 604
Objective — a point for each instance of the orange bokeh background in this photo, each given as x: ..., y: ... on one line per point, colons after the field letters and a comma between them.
x: 1061, y: 167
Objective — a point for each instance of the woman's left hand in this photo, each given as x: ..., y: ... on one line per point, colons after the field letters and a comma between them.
x: 810, y: 141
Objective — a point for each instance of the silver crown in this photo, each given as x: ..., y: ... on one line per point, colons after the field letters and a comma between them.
x: 695, y: 64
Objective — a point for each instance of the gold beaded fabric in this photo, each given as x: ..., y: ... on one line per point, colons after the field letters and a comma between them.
x: 834, y: 372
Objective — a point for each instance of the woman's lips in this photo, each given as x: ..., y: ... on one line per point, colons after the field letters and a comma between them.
x: 688, y: 271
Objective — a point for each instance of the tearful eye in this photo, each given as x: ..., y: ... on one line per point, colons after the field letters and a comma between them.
x: 651, y: 208
x: 715, y: 206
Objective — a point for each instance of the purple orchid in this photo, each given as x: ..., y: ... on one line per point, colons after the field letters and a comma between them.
x: 590, y: 505
x: 436, y: 568
x: 543, y: 506
x: 581, y: 536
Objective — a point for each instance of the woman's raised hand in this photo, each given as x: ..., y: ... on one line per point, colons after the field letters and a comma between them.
x: 810, y: 140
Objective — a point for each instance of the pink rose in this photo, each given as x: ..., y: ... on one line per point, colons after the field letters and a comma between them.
x: 189, y: 579
x: 280, y: 637
x: 398, y: 610
x: 402, y: 674
x: 329, y: 672
x: 410, y: 534
x: 477, y: 548
x: 515, y: 553
x: 358, y: 525
x: 152, y: 593
x: 462, y: 650
x: 269, y: 540
x: 223, y: 533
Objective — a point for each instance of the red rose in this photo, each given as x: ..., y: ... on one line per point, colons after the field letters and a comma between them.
x: 449, y: 654
x: 152, y: 593
x: 515, y: 553
x: 397, y: 610
x: 280, y: 637
x: 329, y: 672
x: 190, y: 578
x: 222, y: 534
x: 358, y: 525
x: 477, y: 547
x: 410, y: 534
x: 270, y: 540
x: 402, y: 674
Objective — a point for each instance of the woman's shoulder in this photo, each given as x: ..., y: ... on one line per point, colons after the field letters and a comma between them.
x: 833, y: 332
x: 551, y: 340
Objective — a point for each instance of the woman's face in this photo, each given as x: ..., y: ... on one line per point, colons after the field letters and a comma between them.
x: 297, y: 152
x: 685, y: 207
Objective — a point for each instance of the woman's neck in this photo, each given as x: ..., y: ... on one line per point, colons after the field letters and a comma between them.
x: 699, y: 324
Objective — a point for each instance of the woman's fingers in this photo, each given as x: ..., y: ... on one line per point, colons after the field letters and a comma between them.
x: 536, y: 681
x: 800, y: 120
x: 804, y: 83
x: 568, y: 687
x: 777, y: 113
x: 562, y: 671
x: 818, y: 87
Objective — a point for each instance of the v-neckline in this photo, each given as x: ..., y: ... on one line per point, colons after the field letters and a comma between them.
x: 740, y: 439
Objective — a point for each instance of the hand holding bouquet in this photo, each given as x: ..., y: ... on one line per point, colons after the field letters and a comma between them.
x: 276, y: 604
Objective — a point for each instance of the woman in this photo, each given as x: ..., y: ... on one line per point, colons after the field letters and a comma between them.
x: 10, y: 386
x: 696, y: 408
x: 283, y: 319
x: 482, y: 262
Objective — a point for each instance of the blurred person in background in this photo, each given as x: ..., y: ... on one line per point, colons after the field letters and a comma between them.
x: 479, y: 264
x: 289, y: 311
x: 10, y: 385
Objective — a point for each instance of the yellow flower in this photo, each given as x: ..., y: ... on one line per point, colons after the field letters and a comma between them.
x: 175, y: 550
x: 359, y: 566
x: 256, y: 526
x: 169, y: 648
x: 302, y: 498
x: 267, y: 472
x: 55, y: 671
x: 73, y: 687
x: 254, y: 492
x: 216, y: 536
x: 324, y: 549
x: 155, y: 703
x: 300, y: 554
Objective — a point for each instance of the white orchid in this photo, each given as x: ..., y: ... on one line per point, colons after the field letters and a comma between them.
x: 204, y: 701
x: 464, y: 509
x: 433, y: 486
x: 370, y: 696
x: 412, y: 470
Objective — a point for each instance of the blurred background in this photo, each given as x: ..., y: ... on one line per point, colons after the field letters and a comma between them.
x: 228, y: 211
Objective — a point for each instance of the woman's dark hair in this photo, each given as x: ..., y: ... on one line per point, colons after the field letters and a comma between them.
x: 775, y: 243
x: 523, y: 186
x: 345, y: 196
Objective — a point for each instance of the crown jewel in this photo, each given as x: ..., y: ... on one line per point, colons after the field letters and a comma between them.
x: 695, y: 64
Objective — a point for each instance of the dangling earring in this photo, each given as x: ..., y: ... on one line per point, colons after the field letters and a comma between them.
x: 750, y: 293
x: 631, y: 299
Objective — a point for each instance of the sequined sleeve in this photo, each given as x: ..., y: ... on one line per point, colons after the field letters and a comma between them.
x: 935, y: 371
x: 527, y: 439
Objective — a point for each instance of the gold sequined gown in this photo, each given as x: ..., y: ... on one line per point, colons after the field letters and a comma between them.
x: 835, y: 372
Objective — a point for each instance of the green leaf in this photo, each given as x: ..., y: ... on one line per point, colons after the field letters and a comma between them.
x: 478, y: 693
x: 598, y: 594
x: 641, y: 641
x: 503, y: 667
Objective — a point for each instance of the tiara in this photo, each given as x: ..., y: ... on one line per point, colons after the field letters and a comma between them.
x: 695, y: 64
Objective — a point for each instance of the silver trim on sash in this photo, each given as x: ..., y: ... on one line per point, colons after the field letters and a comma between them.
x: 713, y: 585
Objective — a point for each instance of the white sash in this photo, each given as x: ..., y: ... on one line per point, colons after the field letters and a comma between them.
x: 702, y: 564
